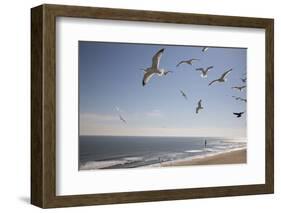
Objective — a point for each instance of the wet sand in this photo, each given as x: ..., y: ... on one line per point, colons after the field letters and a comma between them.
x: 233, y: 157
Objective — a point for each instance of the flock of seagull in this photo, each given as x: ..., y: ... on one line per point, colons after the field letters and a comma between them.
x: 155, y: 69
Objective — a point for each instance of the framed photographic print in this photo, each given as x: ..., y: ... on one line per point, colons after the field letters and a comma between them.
x: 137, y: 106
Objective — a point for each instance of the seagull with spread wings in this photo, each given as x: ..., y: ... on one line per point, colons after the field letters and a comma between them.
x: 205, y: 71
x: 154, y: 69
x: 222, y: 79
x: 240, y: 88
x: 190, y: 61
x: 238, y: 114
x: 243, y: 99
x: 239, y: 98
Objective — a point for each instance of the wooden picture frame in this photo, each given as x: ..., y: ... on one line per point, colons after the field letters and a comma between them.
x: 43, y: 105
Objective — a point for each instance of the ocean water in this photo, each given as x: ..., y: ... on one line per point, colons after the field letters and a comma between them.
x: 112, y: 152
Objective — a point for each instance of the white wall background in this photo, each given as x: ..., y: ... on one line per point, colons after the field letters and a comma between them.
x: 15, y: 105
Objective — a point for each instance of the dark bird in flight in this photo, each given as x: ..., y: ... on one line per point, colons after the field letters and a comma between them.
x: 183, y: 94
x: 238, y: 114
x: 203, y: 71
x: 222, y: 78
x: 122, y: 119
x: 199, y: 106
x: 190, y: 61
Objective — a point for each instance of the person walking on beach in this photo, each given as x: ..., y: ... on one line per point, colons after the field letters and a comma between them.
x: 205, y: 143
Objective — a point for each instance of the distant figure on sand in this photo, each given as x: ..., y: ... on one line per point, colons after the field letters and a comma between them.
x: 205, y: 143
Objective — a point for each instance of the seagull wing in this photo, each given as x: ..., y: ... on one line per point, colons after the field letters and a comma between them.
x: 243, y: 99
x: 226, y: 73
x: 213, y: 82
x: 204, y: 49
x: 194, y: 59
x: 183, y: 94
x: 200, y: 69
x: 243, y: 80
x: 146, y: 77
x: 181, y: 62
x: 210, y: 67
x: 166, y: 72
x: 156, y: 59
x: 199, y: 104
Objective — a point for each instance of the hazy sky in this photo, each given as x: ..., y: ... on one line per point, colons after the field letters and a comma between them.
x: 110, y: 77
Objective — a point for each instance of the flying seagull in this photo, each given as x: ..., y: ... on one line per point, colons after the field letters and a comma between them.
x: 243, y: 80
x: 243, y: 99
x: 204, y: 72
x: 199, y: 106
x: 236, y: 98
x: 183, y: 94
x: 239, y: 98
x: 222, y: 78
x: 120, y: 116
x: 238, y: 114
x: 154, y: 69
x: 190, y: 61
x: 204, y: 49
x: 122, y: 119
x: 239, y: 88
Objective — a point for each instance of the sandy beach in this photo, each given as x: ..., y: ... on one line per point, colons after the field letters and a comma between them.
x: 232, y: 157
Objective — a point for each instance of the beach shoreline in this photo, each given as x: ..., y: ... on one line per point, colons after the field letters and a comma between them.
x: 233, y: 156
x: 237, y: 156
